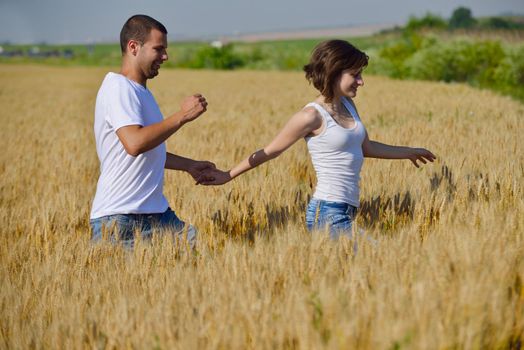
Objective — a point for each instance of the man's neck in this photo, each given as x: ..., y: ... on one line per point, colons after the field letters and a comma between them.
x: 133, y: 74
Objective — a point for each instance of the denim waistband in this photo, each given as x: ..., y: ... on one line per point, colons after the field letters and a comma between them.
x: 348, y: 208
x: 135, y: 216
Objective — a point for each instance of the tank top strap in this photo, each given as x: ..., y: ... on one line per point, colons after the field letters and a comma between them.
x: 325, y: 115
x: 349, y: 106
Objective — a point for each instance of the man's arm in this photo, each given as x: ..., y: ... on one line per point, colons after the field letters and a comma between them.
x: 138, y: 139
x: 193, y: 167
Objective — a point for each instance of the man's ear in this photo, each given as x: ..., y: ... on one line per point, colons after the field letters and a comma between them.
x: 133, y: 46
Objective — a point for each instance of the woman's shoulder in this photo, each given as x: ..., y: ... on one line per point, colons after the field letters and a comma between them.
x: 310, y: 114
x: 309, y: 117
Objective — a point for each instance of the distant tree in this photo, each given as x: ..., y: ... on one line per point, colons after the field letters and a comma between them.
x: 216, y: 58
x: 500, y: 23
x: 462, y: 18
x: 428, y: 21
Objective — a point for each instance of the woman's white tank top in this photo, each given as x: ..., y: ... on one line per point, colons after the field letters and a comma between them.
x: 337, y: 157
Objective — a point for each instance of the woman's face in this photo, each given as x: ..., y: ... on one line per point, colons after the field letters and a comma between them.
x: 349, y: 82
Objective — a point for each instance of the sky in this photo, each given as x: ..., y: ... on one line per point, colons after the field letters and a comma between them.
x: 77, y: 21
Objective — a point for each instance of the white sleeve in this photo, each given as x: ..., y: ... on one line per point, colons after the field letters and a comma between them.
x: 124, y: 106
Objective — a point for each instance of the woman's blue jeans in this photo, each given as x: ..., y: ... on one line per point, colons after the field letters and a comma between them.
x: 123, y: 227
x: 335, y: 217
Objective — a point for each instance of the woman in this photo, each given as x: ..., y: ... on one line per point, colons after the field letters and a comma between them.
x: 336, y: 139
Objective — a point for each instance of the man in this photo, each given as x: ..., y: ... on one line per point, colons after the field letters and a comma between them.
x: 130, y: 135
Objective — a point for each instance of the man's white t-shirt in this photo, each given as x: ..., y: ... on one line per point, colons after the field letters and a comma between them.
x: 127, y: 184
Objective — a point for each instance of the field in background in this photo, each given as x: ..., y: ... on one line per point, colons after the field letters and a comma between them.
x: 446, y: 272
x: 484, y: 58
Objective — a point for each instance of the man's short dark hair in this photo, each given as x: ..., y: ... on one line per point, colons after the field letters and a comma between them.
x: 137, y: 28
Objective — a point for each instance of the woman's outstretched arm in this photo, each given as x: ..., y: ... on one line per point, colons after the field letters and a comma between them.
x: 300, y: 125
x: 374, y: 149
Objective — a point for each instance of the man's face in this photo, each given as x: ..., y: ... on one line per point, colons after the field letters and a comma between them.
x: 152, y: 54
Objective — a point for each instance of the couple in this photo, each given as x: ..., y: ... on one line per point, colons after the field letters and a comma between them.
x: 130, y: 134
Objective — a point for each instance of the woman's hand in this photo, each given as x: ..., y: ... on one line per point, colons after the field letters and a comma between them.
x: 420, y: 154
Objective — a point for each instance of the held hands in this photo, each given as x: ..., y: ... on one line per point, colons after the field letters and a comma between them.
x: 214, y: 177
x: 193, y: 106
x: 199, y: 169
x: 420, y: 154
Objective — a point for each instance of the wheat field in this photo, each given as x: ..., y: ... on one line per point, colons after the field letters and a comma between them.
x: 440, y: 258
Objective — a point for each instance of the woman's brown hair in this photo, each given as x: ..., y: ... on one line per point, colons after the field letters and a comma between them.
x: 328, y: 60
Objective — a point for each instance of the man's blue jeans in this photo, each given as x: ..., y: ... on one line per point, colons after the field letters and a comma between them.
x: 123, y: 227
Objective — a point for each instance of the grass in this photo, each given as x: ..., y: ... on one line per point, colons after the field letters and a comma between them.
x: 446, y: 271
